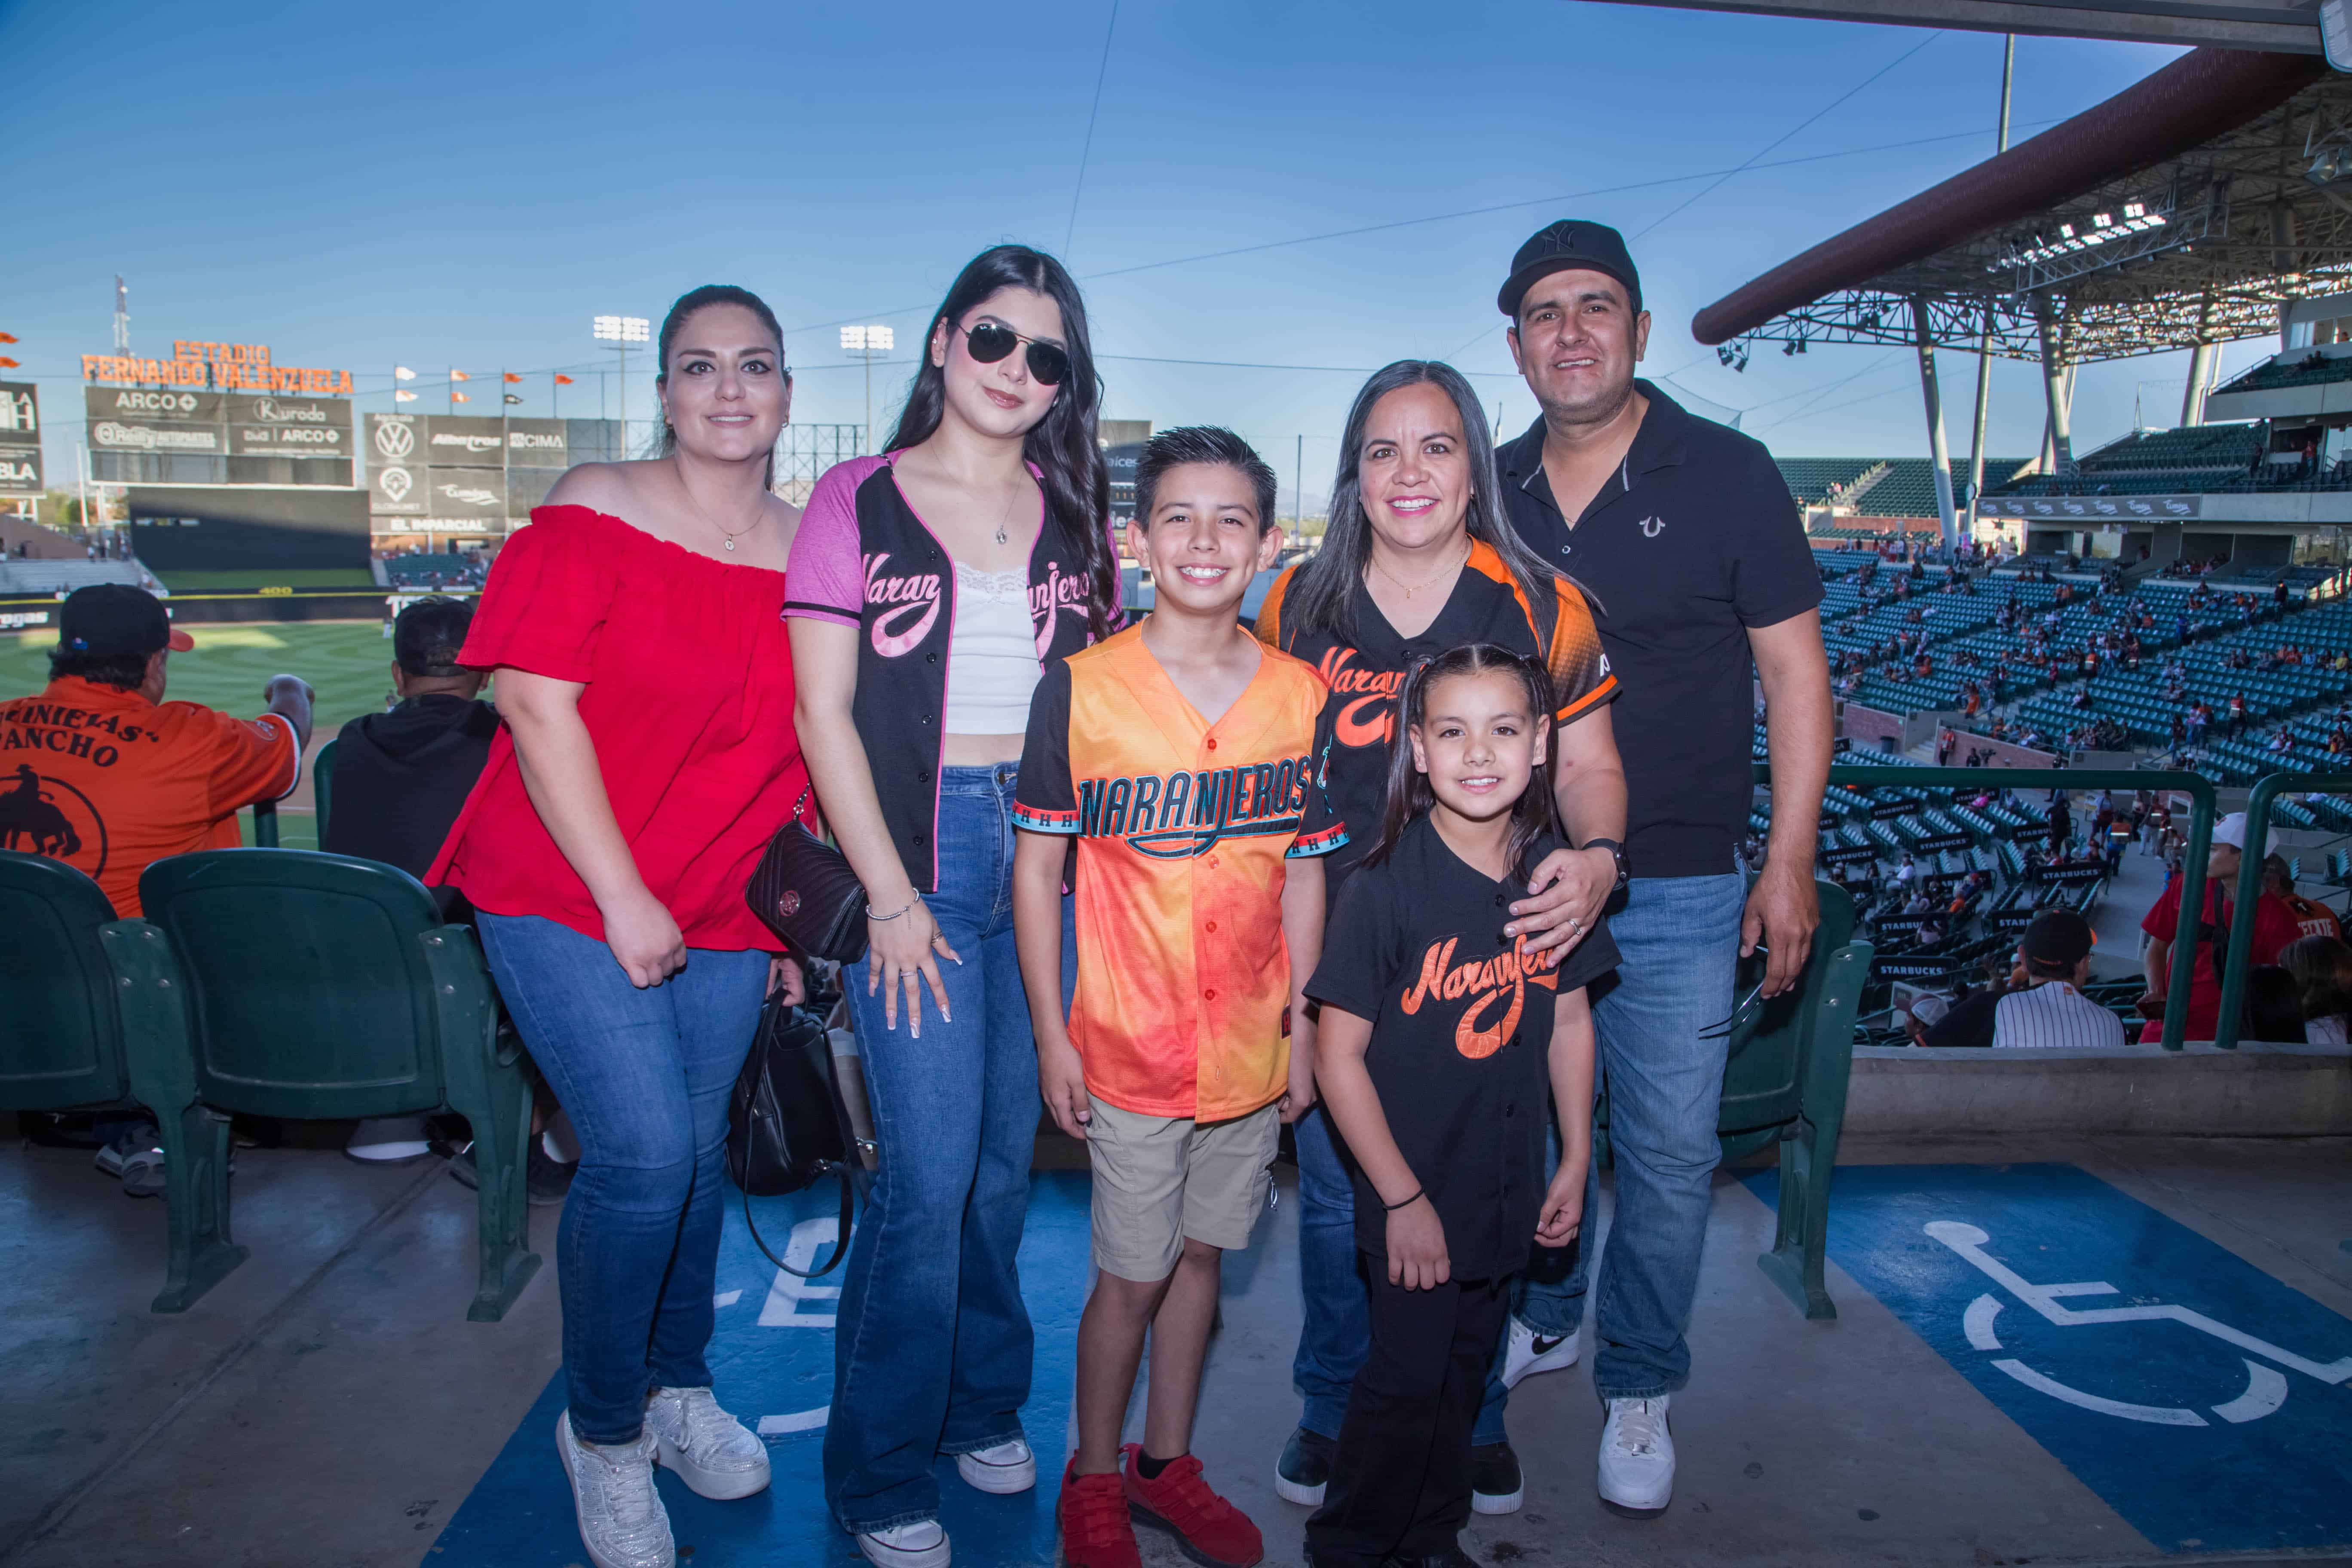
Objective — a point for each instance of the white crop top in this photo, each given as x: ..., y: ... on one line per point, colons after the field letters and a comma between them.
x: 991, y: 655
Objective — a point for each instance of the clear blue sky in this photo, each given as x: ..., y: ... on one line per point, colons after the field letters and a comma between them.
x: 435, y: 184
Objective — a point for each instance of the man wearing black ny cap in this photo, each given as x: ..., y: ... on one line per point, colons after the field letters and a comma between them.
x: 2043, y: 1005
x: 1687, y: 540
x: 100, y: 772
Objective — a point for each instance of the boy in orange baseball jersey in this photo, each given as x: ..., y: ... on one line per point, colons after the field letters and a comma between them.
x: 1179, y: 755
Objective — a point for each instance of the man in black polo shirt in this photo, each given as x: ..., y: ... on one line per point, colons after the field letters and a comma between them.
x: 1692, y: 549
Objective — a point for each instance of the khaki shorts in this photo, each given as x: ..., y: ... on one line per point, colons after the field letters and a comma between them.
x: 1161, y: 1179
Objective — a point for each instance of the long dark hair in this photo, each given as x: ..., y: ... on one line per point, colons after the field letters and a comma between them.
x: 1322, y: 596
x: 688, y: 303
x: 1409, y: 793
x: 1076, y: 483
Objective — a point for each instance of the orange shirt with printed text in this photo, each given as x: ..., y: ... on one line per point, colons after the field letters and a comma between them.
x: 109, y: 783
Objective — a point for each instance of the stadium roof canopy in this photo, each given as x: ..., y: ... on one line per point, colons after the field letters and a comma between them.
x: 2185, y: 210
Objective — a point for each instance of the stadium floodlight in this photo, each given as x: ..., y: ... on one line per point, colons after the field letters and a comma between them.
x: 617, y: 333
x: 866, y: 342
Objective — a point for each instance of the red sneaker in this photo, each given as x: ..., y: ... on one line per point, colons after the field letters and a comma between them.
x: 1207, y: 1528
x: 1092, y: 1514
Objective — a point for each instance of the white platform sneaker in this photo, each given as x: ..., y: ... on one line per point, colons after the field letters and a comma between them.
x: 1637, y: 1458
x: 1007, y: 1468
x: 922, y: 1544
x: 622, y: 1520
x: 711, y: 1451
x: 1530, y: 1353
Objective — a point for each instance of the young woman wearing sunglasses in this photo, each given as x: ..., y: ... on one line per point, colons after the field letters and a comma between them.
x: 929, y: 586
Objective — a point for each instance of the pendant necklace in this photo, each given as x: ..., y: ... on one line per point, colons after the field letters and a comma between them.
x: 723, y: 534
x: 1412, y: 588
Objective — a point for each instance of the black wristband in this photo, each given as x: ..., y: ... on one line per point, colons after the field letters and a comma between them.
x: 1407, y: 1204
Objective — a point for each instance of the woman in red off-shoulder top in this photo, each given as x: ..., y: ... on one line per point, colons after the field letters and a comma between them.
x: 648, y: 755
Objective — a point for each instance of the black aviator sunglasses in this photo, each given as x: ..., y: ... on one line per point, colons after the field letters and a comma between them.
x: 992, y: 341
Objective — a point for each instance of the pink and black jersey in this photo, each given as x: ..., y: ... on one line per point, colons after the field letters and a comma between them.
x: 864, y: 559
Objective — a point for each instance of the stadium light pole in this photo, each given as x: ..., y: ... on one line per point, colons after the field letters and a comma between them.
x: 619, y: 333
x: 866, y: 342
x: 1984, y: 343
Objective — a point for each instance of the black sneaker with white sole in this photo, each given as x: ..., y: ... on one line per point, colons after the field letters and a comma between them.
x: 1495, y: 1486
x: 1304, y: 1469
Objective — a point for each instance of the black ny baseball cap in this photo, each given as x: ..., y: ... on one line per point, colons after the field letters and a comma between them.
x: 1568, y: 245
x: 2057, y: 936
x: 110, y: 618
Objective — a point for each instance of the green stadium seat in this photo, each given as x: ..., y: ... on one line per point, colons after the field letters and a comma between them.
x: 1785, y: 1083
x: 322, y: 783
x: 303, y: 986
x: 62, y: 1047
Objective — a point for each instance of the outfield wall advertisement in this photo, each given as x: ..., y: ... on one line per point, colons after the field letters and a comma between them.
x: 20, y: 438
x: 457, y: 473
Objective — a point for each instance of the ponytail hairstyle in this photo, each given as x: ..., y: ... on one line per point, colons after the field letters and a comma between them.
x: 1409, y: 793
x: 1322, y: 595
x: 1062, y: 446
x: 690, y: 301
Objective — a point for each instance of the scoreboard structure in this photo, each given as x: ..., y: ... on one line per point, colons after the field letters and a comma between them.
x: 468, y: 475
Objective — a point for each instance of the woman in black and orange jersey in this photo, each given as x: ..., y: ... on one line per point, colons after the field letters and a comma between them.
x: 1419, y: 557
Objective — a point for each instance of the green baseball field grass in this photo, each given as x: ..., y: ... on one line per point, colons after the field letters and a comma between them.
x: 348, y: 662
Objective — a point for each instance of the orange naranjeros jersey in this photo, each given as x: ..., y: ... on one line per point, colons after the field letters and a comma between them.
x: 110, y: 783
x: 1182, y: 828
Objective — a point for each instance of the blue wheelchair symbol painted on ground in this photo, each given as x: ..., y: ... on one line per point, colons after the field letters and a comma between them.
x: 771, y: 1364
x: 2201, y: 1399
x: 2266, y: 1387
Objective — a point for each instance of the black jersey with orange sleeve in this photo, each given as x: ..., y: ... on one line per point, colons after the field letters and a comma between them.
x: 1365, y: 677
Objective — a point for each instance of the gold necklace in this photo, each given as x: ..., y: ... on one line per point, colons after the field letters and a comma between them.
x: 729, y: 538
x: 1412, y: 588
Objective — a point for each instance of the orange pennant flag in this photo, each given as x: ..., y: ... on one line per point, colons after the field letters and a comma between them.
x: 8, y: 337
x: 563, y: 381
x: 513, y: 378
x: 459, y: 375
x: 7, y: 364
x: 459, y: 397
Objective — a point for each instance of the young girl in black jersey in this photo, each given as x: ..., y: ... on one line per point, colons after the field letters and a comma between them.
x: 1440, y: 1042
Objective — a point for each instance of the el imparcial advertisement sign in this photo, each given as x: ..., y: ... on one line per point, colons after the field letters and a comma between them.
x: 2093, y: 509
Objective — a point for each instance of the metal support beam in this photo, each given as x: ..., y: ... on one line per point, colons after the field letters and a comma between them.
x: 2201, y: 360
x: 1946, y: 519
x: 1984, y: 345
x: 2057, y: 443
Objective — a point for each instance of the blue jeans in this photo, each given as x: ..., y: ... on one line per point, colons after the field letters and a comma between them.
x: 645, y: 1076
x: 1680, y: 940
x: 932, y: 1348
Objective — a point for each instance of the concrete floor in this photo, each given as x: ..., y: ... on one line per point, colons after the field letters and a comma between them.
x: 328, y: 1405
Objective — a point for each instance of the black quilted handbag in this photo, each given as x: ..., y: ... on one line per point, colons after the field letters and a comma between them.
x: 804, y: 891
x: 787, y: 1127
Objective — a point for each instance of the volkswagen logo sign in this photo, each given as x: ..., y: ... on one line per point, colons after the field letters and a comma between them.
x: 394, y: 440
x: 394, y: 482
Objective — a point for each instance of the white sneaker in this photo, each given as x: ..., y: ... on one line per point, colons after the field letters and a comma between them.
x: 1009, y: 1467
x: 622, y: 1520
x: 1637, y: 1458
x: 1531, y: 1352
x: 922, y: 1544
x: 708, y: 1449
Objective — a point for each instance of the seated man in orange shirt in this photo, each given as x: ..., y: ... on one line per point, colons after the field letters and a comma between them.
x: 100, y: 772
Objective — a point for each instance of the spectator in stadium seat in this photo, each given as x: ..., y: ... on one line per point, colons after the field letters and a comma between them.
x: 2322, y: 967
x: 634, y: 629
x: 1685, y: 534
x: 100, y: 772
x: 400, y: 778
x: 2043, y: 1003
x: 2312, y: 918
x: 2273, y: 1007
x: 2274, y: 928
x: 985, y: 524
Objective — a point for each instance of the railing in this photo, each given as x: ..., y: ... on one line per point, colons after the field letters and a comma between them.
x: 2199, y: 789
x: 2238, y: 962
